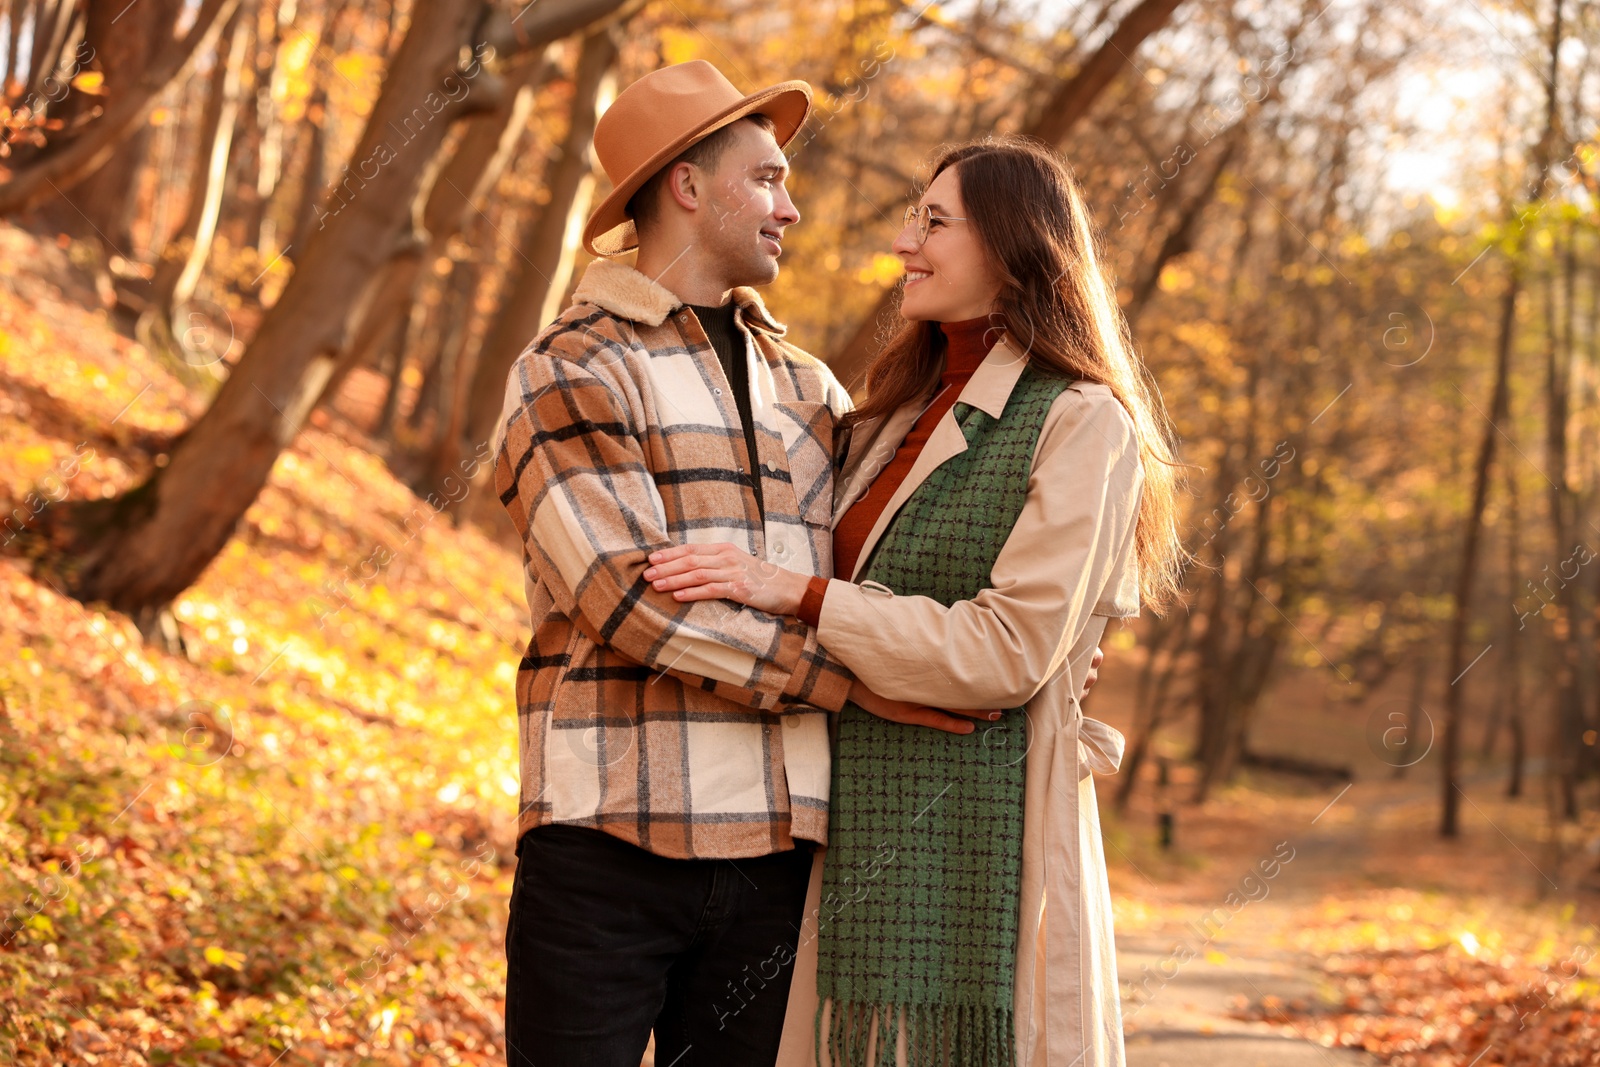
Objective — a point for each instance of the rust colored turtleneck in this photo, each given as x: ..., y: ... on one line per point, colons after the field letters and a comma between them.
x: 966, y: 345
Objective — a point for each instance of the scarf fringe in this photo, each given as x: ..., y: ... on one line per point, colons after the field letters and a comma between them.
x: 937, y: 1035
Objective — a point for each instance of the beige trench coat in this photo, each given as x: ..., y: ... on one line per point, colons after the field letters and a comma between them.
x: 1067, y: 567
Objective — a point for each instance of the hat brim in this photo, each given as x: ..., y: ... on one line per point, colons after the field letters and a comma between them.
x: 610, y: 232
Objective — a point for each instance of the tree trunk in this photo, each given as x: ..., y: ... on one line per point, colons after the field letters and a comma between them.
x: 1507, y: 684
x: 1499, y: 405
x: 1569, y: 696
x: 138, y: 551
x: 442, y: 206
x: 1150, y: 704
x: 13, y: 37
x: 271, y: 78
x: 1050, y: 124
x: 549, y: 247
x: 52, y: 29
x: 179, y: 271
x: 313, y: 176
x: 1180, y: 238
x: 1512, y: 671
x: 63, y: 164
x: 124, y: 43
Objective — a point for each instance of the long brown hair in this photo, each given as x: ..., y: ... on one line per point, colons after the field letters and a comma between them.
x: 1059, y: 306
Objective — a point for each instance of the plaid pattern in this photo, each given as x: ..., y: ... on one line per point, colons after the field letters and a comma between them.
x: 691, y: 730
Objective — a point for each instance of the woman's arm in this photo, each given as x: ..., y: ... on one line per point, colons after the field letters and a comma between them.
x: 999, y: 648
x: 1069, y: 542
x: 709, y: 572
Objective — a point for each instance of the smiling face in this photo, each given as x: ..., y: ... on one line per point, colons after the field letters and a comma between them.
x: 949, y: 278
x: 747, y: 207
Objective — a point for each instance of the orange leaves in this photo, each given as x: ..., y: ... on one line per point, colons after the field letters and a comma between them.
x: 296, y: 835
x: 1454, y: 1003
x: 90, y: 81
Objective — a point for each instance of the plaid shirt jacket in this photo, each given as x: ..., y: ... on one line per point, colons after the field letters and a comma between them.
x: 691, y: 730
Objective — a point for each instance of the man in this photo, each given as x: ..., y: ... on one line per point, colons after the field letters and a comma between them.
x: 675, y: 758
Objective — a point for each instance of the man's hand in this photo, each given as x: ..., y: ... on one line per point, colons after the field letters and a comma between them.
x: 955, y: 722
x: 1094, y: 671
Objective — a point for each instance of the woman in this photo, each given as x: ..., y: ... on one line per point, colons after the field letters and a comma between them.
x: 1008, y: 486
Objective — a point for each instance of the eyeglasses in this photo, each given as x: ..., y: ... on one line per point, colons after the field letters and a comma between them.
x: 923, y: 216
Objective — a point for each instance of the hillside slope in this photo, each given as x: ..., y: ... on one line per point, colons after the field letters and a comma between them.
x: 295, y: 848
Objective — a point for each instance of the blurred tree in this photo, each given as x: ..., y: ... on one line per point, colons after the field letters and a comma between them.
x: 1499, y: 408
x: 178, y: 272
x: 549, y: 249
x: 463, y: 183
x: 138, y: 551
x: 64, y: 162
x: 1051, y: 121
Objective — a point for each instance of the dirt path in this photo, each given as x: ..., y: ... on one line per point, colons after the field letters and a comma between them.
x: 1187, y: 1023
x: 1189, y: 975
x: 1182, y: 1014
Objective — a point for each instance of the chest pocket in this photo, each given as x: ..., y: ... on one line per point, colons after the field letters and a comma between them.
x: 807, y: 428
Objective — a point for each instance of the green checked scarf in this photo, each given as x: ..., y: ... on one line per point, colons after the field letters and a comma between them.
x: 922, y: 882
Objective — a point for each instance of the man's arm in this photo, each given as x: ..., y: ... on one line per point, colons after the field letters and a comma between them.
x: 577, y: 485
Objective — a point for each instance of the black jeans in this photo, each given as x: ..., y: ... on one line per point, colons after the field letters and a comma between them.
x: 607, y: 941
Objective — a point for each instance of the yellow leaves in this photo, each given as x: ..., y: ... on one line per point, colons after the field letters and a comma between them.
x: 221, y: 957
x: 1209, y: 340
x: 90, y: 81
x: 362, y: 70
x: 1176, y: 278
x: 354, y: 722
x: 161, y: 116
x: 883, y: 270
x: 1446, y: 206
x: 37, y: 455
x: 679, y: 46
x: 296, y: 54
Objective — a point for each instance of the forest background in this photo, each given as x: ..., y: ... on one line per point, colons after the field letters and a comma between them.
x: 264, y: 265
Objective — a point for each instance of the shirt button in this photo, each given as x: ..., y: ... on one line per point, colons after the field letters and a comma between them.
x: 777, y: 546
x: 717, y: 391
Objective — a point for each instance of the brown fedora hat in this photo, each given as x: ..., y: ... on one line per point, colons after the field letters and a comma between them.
x: 659, y: 116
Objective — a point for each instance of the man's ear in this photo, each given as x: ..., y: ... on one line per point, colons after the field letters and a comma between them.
x: 685, y: 184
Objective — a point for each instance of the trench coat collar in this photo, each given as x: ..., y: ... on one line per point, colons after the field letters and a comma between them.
x: 873, y: 444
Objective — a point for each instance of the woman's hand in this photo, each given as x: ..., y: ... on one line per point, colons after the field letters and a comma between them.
x: 955, y: 722
x: 723, y: 572
x: 1094, y: 671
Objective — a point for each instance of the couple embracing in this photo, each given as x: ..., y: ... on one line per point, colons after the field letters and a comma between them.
x: 805, y: 778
